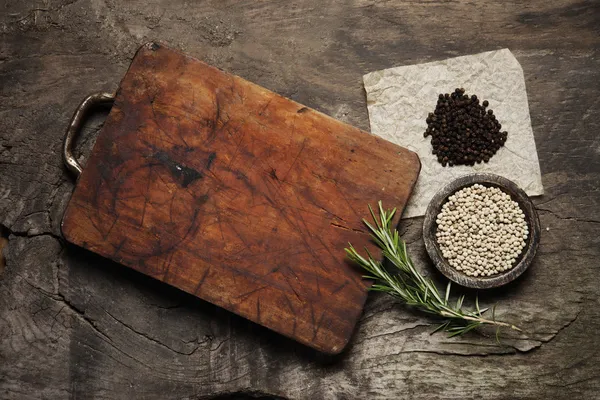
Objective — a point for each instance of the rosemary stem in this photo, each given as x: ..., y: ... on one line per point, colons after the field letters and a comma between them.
x: 492, y: 322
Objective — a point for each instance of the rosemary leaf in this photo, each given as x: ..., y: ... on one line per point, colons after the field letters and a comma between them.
x: 459, y: 302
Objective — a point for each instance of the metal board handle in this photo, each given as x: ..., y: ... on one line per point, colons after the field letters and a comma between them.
x: 89, y: 102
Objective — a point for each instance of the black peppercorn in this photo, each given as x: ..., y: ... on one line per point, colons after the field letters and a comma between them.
x: 462, y: 132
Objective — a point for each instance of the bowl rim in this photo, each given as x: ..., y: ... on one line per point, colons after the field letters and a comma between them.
x: 430, y: 226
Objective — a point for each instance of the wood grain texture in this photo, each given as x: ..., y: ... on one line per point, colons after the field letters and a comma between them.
x: 73, y: 325
x: 524, y: 259
x: 236, y: 195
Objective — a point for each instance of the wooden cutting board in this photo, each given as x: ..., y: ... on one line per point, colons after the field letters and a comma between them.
x: 236, y: 195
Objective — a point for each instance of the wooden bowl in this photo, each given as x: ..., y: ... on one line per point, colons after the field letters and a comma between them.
x: 526, y: 256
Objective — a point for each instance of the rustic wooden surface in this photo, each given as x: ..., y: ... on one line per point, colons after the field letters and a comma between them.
x: 75, y: 326
x: 234, y: 194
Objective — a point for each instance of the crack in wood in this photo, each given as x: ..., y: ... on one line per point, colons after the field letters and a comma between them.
x: 340, y: 226
x: 151, y: 339
x: 555, y: 214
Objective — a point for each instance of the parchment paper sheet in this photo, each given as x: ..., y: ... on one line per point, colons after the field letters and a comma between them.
x: 400, y: 98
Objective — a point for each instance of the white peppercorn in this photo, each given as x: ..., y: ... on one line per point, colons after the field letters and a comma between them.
x: 481, y: 231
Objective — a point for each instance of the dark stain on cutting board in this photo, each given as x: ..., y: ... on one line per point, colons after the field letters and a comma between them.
x: 185, y: 175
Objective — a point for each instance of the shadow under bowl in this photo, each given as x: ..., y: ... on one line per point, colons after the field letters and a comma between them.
x: 516, y: 194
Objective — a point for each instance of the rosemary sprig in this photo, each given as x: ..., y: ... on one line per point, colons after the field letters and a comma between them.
x: 410, y: 286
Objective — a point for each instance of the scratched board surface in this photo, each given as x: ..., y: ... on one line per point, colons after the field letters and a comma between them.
x: 236, y: 195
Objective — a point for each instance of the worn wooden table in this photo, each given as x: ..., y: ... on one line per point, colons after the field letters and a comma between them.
x: 73, y: 325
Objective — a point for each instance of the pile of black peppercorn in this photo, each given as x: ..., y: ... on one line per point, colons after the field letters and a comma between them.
x: 462, y: 131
